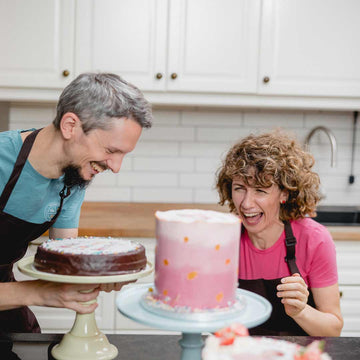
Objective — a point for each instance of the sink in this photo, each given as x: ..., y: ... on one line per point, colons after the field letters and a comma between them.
x: 338, y: 215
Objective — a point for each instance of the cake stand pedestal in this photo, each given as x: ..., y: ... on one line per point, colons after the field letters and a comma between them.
x: 129, y: 302
x: 84, y: 341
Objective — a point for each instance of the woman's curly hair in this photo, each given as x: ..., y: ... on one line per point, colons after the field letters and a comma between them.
x: 272, y: 158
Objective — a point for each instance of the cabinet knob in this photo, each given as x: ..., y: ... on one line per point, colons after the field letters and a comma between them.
x: 173, y: 76
x: 266, y: 79
x: 159, y: 76
x: 66, y: 73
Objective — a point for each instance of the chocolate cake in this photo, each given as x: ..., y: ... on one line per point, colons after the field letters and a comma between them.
x: 90, y: 256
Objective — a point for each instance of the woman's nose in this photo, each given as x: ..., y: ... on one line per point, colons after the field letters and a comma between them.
x: 247, y: 200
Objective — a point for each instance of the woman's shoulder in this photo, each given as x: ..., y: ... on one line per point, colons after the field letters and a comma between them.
x: 309, y: 229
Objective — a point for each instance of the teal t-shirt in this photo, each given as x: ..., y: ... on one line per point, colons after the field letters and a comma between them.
x: 35, y: 198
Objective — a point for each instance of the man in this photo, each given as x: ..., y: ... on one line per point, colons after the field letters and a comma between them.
x: 43, y: 175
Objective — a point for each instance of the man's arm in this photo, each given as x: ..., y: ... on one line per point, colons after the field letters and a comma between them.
x: 55, y: 233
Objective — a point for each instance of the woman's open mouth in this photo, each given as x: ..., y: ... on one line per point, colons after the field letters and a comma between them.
x: 252, y: 218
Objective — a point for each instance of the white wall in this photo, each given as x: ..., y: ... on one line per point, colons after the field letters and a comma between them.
x: 175, y: 160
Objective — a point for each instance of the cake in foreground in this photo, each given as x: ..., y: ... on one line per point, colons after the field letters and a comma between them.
x: 90, y: 256
x: 196, y: 258
x: 233, y: 343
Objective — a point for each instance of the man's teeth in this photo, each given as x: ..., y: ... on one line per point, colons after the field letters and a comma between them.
x: 97, y: 167
x: 251, y: 214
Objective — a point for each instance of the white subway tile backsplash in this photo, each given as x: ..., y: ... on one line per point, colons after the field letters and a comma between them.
x: 166, y: 117
x: 176, y: 160
x: 206, y: 196
x: 173, y: 164
x: 219, y: 134
x: 163, y: 195
x: 204, y: 149
x: 168, y: 133
x: 196, y: 181
x: 155, y: 148
x: 208, y: 165
x: 270, y: 120
x: 212, y: 118
x: 147, y: 179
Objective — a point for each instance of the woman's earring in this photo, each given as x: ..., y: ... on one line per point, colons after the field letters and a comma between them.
x: 283, y: 202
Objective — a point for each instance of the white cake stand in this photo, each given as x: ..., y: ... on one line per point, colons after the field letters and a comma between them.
x: 129, y: 302
x: 84, y: 341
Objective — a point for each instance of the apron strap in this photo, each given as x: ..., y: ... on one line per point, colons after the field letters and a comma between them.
x: 19, y: 164
x: 290, y: 242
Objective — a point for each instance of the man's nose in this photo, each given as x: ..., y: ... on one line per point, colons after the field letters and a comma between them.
x: 114, y: 163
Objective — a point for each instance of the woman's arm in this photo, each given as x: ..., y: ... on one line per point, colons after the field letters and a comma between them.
x: 325, y: 319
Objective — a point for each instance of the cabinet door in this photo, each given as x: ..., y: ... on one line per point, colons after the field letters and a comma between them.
x: 36, y: 43
x: 213, y: 45
x: 126, y: 37
x: 310, y: 48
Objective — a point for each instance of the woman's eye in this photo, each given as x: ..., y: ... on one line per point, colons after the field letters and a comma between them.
x: 261, y: 191
x: 108, y: 151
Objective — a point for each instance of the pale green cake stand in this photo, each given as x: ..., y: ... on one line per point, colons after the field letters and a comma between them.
x: 84, y: 341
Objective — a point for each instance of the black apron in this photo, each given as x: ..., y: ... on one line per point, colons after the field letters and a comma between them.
x: 279, y: 323
x: 15, y: 235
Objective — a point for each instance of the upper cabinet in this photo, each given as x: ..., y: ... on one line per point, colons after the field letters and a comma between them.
x: 36, y: 43
x: 177, y: 45
x: 250, y: 53
x: 310, y: 48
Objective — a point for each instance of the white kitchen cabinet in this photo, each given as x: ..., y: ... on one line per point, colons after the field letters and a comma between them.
x: 349, y: 284
x: 172, y: 45
x: 36, y: 43
x: 310, y: 48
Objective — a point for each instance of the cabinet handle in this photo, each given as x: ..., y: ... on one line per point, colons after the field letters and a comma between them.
x: 66, y: 73
x: 159, y: 76
x: 341, y: 294
x: 174, y: 76
x: 266, y: 79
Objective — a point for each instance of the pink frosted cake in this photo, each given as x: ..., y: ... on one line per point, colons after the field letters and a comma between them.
x: 196, y: 259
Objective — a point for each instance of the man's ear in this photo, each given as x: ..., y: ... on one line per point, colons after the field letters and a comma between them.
x: 69, y: 124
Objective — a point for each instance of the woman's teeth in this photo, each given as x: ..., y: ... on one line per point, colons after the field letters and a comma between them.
x: 96, y: 167
x: 251, y: 214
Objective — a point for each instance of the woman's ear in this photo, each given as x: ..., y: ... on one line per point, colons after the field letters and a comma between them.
x: 284, y: 197
x: 69, y: 123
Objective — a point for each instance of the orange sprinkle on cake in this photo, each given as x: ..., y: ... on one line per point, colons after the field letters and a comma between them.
x: 192, y: 275
x: 219, y: 296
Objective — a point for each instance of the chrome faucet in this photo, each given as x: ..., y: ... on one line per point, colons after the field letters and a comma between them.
x: 331, y: 137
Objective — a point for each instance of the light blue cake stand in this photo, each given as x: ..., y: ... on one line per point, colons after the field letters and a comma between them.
x: 129, y: 302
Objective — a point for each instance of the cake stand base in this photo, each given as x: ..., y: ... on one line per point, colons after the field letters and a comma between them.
x: 84, y: 342
x: 129, y: 302
x: 191, y: 346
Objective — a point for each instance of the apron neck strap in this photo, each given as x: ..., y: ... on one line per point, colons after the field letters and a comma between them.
x: 19, y: 164
x: 290, y: 242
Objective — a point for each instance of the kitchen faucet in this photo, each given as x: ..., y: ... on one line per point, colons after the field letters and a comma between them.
x: 331, y: 137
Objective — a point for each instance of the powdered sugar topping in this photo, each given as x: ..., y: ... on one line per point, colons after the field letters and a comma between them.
x: 90, y: 245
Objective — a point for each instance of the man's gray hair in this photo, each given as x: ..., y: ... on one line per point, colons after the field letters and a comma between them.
x: 99, y: 98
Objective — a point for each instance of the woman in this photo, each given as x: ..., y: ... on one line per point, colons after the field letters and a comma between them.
x: 285, y: 256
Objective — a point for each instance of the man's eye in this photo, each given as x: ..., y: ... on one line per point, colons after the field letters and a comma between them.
x: 109, y: 151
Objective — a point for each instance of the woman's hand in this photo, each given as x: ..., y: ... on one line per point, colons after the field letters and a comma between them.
x: 294, y: 293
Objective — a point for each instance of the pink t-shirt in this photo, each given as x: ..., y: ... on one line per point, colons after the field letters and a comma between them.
x: 315, y: 256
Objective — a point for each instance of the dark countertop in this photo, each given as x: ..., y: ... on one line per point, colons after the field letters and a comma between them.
x: 154, y: 347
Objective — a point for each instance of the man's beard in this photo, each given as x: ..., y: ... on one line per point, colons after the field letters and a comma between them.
x: 73, y: 178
